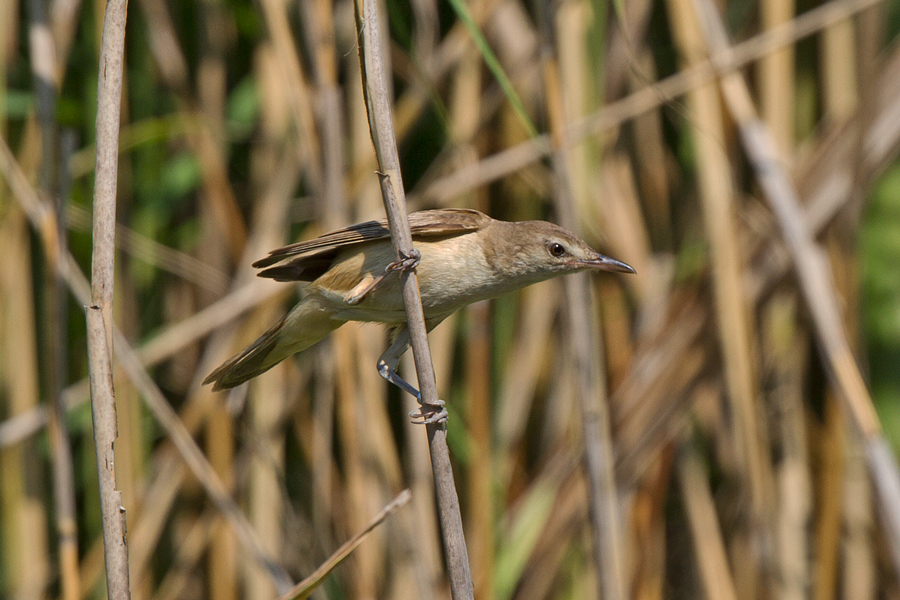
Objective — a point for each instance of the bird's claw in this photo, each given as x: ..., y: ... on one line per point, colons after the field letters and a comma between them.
x: 405, y: 263
x: 423, y: 416
x: 429, y: 413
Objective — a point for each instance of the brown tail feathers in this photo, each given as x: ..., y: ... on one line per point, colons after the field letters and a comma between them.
x: 303, y: 326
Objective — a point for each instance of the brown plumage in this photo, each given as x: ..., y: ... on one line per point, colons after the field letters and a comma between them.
x: 466, y: 256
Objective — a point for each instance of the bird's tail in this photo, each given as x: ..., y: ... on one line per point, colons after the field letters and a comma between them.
x: 303, y: 326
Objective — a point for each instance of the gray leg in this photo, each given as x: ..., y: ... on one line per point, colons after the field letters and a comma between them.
x: 387, y: 368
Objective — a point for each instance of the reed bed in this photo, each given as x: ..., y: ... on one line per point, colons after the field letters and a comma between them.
x: 722, y: 425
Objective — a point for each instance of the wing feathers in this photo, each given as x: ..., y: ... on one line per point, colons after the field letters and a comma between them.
x: 423, y: 224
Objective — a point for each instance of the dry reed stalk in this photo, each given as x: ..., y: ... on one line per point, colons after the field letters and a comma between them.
x: 776, y: 80
x: 455, y: 43
x: 161, y: 494
x: 383, y: 473
x: 188, y: 555
x: 465, y: 107
x: 425, y: 523
x: 571, y: 25
x: 648, y: 522
x: 839, y: 71
x: 321, y: 439
x: 413, y: 547
x: 847, y: 69
x: 264, y: 500
x: 219, y: 439
x: 709, y: 547
x: 381, y: 128
x: 626, y: 34
x: 268, y: 393
x: 732, y: 312
x: 63, y: 23
x: 585, y: 352
x: 526, y: 366
x: 829, y: 490
x: 559, y: 412
x: 55, y: 333
x: 25, y: 543
x: 223, y: 552
x: 650, y: 97
x: 786, y: 352
x: 172, y: 65
x: 653, y: 160
x: 293, y: 78
x: 346, y: 548
x: 351, y: 425
x: 617, y: 207
x: 859, y: 568
x: 651, y: 397
x: 856, y: 551
x: 855, y: 69
x: 480, y: 480
x: 563, y: 529
x: 99, y: 314
x: 410, y: 541
x: 827, y: 191
x: 860, y: 565
x: 616, y: 331
x: 11, y: 497
x: 822, y: 207
x: 199, y: 466
x: 815, y: 280
x: 525, y: 539
x: 160, y: 347
x: 363, y: 476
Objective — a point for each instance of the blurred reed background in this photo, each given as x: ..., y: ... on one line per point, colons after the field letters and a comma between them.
x: 740, y: 471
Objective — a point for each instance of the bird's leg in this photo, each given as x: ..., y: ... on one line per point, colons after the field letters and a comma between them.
x: 405, y: 263
x: 387, y: 368
x: 358, y: 293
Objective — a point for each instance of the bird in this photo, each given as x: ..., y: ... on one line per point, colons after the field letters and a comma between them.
x: 352, y: 274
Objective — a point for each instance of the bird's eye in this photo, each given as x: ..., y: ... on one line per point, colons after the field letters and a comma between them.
x: 556, y: 249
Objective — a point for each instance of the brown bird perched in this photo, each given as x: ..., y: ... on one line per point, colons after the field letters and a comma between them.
x: 464, y: 256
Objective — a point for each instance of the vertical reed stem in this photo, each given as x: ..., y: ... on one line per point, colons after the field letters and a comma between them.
x: 99, y: 314
x: 382, y: 130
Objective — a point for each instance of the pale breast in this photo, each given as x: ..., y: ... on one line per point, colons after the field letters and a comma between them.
x: 454, y: 272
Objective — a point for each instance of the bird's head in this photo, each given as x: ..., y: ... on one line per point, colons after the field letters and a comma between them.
x: 540, y: 250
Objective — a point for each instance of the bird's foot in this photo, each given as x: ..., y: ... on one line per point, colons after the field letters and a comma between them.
x: 427, y: 414
x: 405, y: 263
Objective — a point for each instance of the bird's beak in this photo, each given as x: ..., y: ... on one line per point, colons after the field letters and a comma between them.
x: 605, y: 263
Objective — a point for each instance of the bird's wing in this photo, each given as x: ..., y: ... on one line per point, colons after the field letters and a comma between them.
x: 311, y: 258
